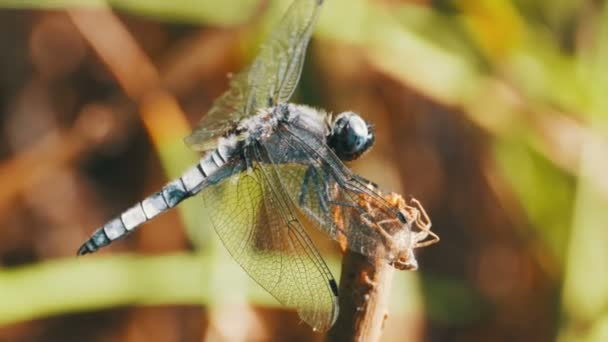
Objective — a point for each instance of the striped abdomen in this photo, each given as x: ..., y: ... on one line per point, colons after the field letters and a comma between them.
x: 189, y: 184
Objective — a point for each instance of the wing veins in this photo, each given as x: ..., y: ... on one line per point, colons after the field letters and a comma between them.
x: 343, y: 174
x: 273, y: 74
x: 279, y: 194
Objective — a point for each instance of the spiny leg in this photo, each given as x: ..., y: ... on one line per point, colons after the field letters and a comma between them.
x: 423, y: 222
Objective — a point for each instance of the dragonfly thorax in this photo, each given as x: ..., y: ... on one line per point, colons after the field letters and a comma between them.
x: 350, y: 136
x: 261, y: 125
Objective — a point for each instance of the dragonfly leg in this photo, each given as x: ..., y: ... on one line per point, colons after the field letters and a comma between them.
x: 325, y: 193
x: 321, y: 189
x: 304, y: 187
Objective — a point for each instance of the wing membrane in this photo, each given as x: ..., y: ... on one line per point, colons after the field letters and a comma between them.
x: 340, y: 202
x: 270, y: 79
x: 255, y: 220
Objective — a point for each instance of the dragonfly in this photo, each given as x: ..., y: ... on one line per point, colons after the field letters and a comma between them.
x: 270, y: 169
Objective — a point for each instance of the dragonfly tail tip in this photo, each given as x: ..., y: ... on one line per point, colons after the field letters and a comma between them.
x: 85, y: 249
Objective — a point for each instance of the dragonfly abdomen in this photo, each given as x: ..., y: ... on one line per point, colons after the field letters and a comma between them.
x: 190, y: 183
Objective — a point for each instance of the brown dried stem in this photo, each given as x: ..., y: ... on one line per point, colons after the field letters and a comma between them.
x: 365, y: 283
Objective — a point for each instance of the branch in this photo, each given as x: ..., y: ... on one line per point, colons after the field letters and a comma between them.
x: 366, y: 281
x: 364, y: 296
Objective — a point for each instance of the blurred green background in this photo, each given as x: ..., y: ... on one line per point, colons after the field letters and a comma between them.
x: 493, y: 113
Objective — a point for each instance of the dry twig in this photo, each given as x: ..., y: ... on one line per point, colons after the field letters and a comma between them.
x: 365, y: 282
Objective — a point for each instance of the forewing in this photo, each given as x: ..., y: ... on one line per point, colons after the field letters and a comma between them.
x: 256, y: 222
x: 328, y: 193
x: 223, y: 115
x: 270, y: 79
x: 279, y: 64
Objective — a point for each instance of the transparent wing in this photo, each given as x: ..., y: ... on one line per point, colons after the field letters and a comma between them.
x: 256, y: 222
x: 344, y: 205
x: 270, y: 79
x: 223, y: 115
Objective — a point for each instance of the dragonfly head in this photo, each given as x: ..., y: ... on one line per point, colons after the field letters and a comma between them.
x: 350, y: 136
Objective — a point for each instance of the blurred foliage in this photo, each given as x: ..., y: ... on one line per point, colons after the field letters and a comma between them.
x: 493, y: 112
x: 227, y: 12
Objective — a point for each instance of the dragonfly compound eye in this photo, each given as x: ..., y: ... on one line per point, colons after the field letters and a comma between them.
x: 350, y: 136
